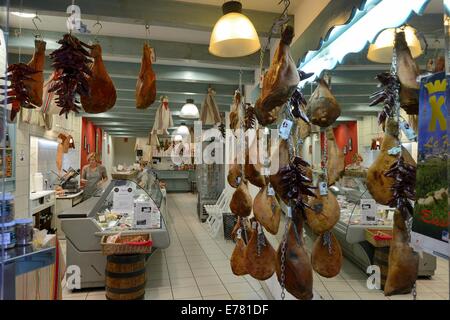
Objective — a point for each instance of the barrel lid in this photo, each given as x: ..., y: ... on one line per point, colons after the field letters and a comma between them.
x: 24, y: 221
x: 7, y: 224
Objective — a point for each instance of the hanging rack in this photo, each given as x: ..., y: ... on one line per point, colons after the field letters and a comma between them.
x: 38, y: 34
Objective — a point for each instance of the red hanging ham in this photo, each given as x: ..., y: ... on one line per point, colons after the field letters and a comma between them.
x: 146, y: 82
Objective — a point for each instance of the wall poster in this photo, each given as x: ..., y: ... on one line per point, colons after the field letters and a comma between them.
x: 431, y: 212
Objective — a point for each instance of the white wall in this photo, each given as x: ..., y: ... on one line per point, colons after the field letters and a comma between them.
x: 24, y: 131
x: 123, y: 152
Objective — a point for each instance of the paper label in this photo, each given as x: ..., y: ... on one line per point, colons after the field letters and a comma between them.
x: 394, y: 151
x: 323, y: 188
x: 289, y: 212
x: 408, y: 131
x: 285, y: 129
x: 270, y: 191
x: 101, y: 218
x: 146, y: 216
x: 368, y: 211
x: 123, y: 200
x: 6, y: 238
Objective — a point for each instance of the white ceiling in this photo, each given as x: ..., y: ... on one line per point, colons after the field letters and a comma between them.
x: 260, y: 5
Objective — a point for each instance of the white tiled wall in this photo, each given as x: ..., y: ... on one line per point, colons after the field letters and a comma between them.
x: 27, y: 159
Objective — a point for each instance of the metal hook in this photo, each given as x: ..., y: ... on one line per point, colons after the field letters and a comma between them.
x: 147, y: 31
x: 98, y: 31
x: 38, y: 34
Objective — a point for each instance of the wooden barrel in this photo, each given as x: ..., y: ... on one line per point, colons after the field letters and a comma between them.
x: 125, y: 277
x: 381, y: 259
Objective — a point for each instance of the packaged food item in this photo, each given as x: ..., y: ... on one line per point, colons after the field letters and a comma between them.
x: 8, y: 237
x: 6, y: 208
x: 24, y: 232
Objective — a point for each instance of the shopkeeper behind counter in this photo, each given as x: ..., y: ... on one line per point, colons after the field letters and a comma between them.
x: 93, y: 176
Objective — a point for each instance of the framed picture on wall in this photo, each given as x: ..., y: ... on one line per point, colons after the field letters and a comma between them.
x: 96, y: 142
x: 350, y: 146
x: 85, y: 142
x: 88, y: 148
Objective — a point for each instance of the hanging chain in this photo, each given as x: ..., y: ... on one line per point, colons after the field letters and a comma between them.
x: 283, y: 259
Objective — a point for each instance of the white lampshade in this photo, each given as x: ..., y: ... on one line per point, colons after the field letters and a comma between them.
x: 182, y: 131
x: 234, y: 34
x: 189, y: 110
x: 178, y: 138
x: 381, y: 50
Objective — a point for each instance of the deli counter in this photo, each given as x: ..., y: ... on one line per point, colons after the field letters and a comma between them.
x: 111, y: 212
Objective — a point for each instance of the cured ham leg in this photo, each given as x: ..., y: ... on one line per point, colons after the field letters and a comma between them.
x: 324, y: 214
x: 260, y: 256
x: 241, y: 201
x: 267, y: 210
x: 237, y: 261
x: 403, y: 261
x: 323, y: 108
x: 146, y: 82
x: 234, y: 175
x: 378, y: 184
x: 35, y: 85
x: 407, y: 68
x: 102, y: 95
x: 282, y: 152
x: 336, y: 159
x: 298, y: 270
x: 326, y: 256
x: 253, y: 167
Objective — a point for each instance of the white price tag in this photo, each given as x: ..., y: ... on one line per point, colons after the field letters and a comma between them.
x: 270, y: 191
x: 368, y: 211
x: 285, y: 129
x: 323, y: 188
x: 289, y: 212
x: 394, y: 151
x: 408, y: 131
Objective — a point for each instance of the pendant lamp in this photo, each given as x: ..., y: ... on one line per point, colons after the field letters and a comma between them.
x: 381, y: 50
x: 189, y: 110
x: 182, y: 130
x: 234, y: 34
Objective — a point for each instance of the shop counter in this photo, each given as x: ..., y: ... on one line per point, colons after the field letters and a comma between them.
x: 84, y: 228
x: 65, y: 202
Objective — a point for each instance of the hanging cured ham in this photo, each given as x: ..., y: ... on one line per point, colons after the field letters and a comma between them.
x: 241, y: 201
x: 407, y: 69
x: 253, y: 167
x: 267, y: 210
x: 209, y: 115
x: 280, y: 156
x: 403, y: 261
x: 237, y: 261
x: 35, y: 85
x: 260, y: 256
x: 234, y: 175
x: 326, y: 255
x: 282, y: 78
x: 146, y: 82
x: 379, y: 185
x: 323, y: 108
x: 323, y: 213
x: 235, y: 122
x: 335, y: 158
x: 298, y: 271
x: 103, y: 94
x: 163, y: 117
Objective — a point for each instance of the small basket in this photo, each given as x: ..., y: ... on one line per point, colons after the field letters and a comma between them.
x: 123, y: 248
x: 229, y: 221
x: 370, y: 237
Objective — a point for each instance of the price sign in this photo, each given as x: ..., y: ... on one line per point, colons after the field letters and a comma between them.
x: 368, y: 211
x: 285, y: 129
x: 123, y: 200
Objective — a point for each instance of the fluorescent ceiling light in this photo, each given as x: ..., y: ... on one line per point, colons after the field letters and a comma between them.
x: 353, y: 37
x: 234, y: 34
x: 23, y: 14
x: 189, y: 110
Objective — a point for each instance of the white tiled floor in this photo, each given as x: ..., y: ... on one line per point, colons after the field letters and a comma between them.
x: 196, y: 266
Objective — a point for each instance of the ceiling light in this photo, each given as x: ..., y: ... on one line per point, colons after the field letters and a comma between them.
x: 23, y: 14
x: 178, y: 138
x: 182, y: 130
x: 234, y: 34
x: 381, y: 50
x: 189, y: 110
